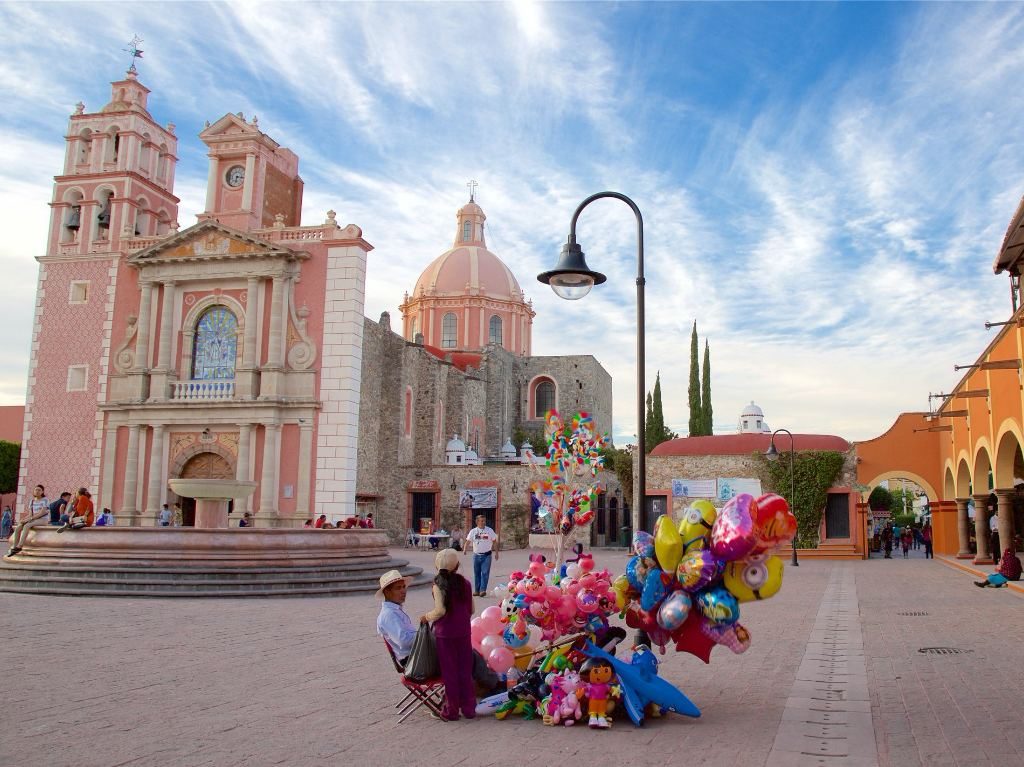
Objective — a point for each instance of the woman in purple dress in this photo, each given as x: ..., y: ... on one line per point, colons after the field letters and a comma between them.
x: 453, y: 608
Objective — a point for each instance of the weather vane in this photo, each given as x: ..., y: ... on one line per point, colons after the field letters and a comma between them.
x: 134, y: 50
x: 472, y: 189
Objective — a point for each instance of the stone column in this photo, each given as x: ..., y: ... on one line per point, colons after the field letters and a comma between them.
x: 250, y: 181
x: 188, y: 339
x: 142, y: 335
x: 245, y: 376
x: 981, y: 531
x: 270, y: 377
x: 129, y: 504
x: 212, y: 183
x: 162, y: 372
x: 106, y: 499
x: 156, y: 472
x: 242, y: 470
x: 305, y: 469
x: 963, y: 529
x: 268, y: 501
x: 1005, y: 521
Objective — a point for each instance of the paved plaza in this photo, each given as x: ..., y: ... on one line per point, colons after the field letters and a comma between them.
x: 834, y: 677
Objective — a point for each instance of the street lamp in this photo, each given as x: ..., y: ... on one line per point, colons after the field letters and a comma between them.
x: 572, y: 279
x: 773, y: 455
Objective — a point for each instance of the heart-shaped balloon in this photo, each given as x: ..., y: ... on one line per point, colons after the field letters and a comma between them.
x: 774, y: 523
x: 733, y: 535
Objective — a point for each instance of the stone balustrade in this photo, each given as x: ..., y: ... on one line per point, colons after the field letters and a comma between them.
x: 203, y: 391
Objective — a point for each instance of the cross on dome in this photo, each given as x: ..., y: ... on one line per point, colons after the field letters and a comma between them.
x: 472, y: 190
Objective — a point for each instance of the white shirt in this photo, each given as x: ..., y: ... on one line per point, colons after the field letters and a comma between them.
x: 483, y: 539
x: 993, y: 523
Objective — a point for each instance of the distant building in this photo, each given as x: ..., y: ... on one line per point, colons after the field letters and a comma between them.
x: 752, y: 421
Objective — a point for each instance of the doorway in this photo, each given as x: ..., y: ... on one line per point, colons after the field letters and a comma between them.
x: 203, y: 466
x: 421, y: 513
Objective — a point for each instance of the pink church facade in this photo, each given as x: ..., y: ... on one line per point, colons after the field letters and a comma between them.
x: 231, y: 348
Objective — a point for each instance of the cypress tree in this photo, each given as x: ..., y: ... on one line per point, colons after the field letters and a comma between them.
x: 649, y: 441
x: 657, y: 414
x: 705, y: 392
x: 696, y: 425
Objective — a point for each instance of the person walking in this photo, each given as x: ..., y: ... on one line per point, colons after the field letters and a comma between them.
x: 453, y: 608
x: 887, y: 536
x: 926, y: 536
x: 484, y: 542
x: 905, y: 538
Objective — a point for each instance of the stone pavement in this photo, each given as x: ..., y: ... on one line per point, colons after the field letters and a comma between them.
x: 306, y: 682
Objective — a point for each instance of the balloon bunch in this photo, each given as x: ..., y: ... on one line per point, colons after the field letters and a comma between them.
x: 685, y: 583
x: 542, y: 604
x: 566, y: 494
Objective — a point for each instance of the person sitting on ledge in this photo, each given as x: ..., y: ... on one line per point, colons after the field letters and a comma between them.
x: 82, y: 512
x: 308, y: 523
x: 1009, y: 570
x: 395, y: 625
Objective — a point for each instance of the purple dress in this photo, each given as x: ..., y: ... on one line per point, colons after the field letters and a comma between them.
x: 455, y: 652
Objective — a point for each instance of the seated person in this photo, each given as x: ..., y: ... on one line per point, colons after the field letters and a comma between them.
x: 1009, y: 570
x: 350, y: 523
x: 105, y: 519
x: 369, y: 521
x: 395, y: 625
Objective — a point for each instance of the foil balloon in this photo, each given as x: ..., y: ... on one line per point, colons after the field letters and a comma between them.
x: 695, y: 526
x: 733, y: 636
x: 668, y: 544
x: 718, y: 605
x: 587, y: 601
x: 654, y: 590
x: 623, y: 592
x: 643, y: 544
x: 636, y: 572
x: 774, y: 523
x: 636, y: 618
x: 697, y: 569
x: 674, y: 610
x: 755, y: 578
x: 733, y: 535
x: 513, y: 641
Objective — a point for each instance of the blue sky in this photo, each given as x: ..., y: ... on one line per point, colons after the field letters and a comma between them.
x: 824, y: 186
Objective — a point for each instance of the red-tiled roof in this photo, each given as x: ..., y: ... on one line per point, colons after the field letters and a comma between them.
x: 12, y: 420
x: 744, y: 444
x: 461, y: 360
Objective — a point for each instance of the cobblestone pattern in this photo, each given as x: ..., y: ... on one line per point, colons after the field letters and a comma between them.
x: 306, y: 681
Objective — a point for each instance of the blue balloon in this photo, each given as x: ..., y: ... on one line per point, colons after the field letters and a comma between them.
x: 509, y: 635
x: 719, y: 606
x: 654, y: 590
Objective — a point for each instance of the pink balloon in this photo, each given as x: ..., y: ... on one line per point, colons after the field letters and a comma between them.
x: 501, y: 660
x: 552, y: 593
x: 733, y: 535
x: 491, y: 642
x: 490, y: 620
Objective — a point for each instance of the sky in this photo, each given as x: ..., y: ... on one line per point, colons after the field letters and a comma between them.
x: 824, y: 187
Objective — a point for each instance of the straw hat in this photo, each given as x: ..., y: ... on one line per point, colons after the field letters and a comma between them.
x: 391, y: 576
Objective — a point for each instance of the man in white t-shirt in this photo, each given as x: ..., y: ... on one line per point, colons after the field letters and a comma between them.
x: 484, y: 542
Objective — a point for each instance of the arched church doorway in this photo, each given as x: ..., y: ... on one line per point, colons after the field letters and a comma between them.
x: 203, y: 466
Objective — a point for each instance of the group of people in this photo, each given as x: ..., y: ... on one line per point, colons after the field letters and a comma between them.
x: 64, y: 513
x: 907, y: 538
x: 349, y: 523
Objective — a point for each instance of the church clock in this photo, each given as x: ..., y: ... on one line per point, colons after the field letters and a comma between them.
x: 235, y: 176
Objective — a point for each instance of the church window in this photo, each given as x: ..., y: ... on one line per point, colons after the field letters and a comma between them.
x: 216, y: 342
x: 78, y: 293
x: 467, y: 231
x: 449, y: 331
x: 78, y: 377
x: 543, y: 398
x: 494, y: 331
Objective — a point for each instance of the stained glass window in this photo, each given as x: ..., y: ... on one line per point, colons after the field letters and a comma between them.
x: 213, y: 356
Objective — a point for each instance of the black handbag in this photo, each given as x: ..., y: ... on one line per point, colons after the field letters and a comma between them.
x: 422, y: 663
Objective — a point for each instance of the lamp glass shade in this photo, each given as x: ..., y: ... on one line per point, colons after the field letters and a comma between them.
x: 771, y: 453
x: 571, y: 287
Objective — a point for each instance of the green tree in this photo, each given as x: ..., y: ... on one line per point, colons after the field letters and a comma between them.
x: 696, y: 422
x: 902, y: 502
x: 880, y: 499
x: 655, y: 421
x: 10, y: 460
x: 707, y: 417
x: 621, y: 462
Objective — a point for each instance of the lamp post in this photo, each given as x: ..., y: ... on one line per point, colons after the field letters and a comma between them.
x: 773, y: 455
x: 572, y: 279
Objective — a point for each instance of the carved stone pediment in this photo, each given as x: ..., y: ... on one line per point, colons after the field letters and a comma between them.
x: 211, y: 240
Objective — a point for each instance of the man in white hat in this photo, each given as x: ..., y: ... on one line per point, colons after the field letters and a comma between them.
x: 393, y: 623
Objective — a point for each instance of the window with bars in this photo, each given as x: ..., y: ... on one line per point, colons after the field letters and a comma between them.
x: 449, y: 331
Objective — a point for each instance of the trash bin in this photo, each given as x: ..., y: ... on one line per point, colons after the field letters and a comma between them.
x: 625, y: 536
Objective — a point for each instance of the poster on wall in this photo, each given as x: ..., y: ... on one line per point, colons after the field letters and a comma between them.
x: 478, y: 498
x: 693, y: 488
x: 730, y: 487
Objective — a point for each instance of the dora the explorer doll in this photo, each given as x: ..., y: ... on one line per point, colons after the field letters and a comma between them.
x: 597, y: 676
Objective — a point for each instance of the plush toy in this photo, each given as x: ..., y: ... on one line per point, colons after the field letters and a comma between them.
x: 598, y: 677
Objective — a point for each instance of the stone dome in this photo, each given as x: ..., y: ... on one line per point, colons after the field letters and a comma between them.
x: 468, y: 270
